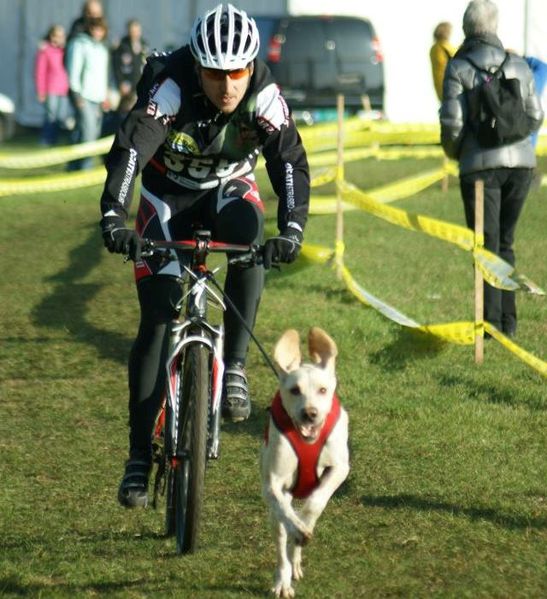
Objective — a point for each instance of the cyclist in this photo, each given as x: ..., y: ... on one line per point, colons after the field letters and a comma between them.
x: 195, y: 135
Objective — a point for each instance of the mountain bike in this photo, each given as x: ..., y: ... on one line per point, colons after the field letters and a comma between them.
x: 187, y: 430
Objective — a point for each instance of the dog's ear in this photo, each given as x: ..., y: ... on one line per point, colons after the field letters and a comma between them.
x: 323, y: 350
x: 287, y: 351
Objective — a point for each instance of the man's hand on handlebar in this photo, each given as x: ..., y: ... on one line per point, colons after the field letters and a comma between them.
x: 284, y: 248
x: 122, y: 240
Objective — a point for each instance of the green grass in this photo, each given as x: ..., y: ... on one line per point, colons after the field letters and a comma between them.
x: 447, y: 492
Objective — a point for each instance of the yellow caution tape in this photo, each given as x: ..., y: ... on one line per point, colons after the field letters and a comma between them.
x: 406, y: 187
x: 61, y: 182
x: 316, y: 253
x: 456, y: 332
x: 495, y: 270
x: 527, y: 357
x: 330, y: 158
x: 461, y: 333
x: 51, y: 156
x: 323, y: 178
x: 361, y: 132
x: 327, y: 204
x: 460, y: 236
x: 362, y: 138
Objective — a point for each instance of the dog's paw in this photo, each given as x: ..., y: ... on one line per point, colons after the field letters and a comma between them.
x: 281, y: 590
x: 297, y: 572
x: 295, y: 557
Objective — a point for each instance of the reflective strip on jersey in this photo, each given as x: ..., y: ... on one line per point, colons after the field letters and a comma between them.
x: 272, y: 110
x: 165, y: 102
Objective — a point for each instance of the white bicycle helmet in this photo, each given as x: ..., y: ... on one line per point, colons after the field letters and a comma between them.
x: 224, y: 38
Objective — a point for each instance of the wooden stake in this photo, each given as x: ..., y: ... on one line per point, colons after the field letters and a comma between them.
x: 339, y: 179
x: 479, y: 282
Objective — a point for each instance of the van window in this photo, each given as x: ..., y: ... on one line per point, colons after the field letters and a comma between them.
x: 352, y: 38
x: 305, y: 40
x: 306, y: 59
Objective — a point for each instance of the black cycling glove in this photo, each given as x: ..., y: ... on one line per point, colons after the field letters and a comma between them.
x: 118, y: 239
x: 284, y: 248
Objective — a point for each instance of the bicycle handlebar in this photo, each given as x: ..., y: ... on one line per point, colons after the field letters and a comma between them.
x: 248, y: 254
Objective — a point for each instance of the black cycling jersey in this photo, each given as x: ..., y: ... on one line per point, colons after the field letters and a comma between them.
x: 181, y: 141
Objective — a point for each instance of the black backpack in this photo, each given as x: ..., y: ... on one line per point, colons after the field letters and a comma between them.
x: 497, y: 110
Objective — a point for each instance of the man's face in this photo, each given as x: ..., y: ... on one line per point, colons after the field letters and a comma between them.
x: 94, y: 10
x: 225, y: 89
x: 135, y: 31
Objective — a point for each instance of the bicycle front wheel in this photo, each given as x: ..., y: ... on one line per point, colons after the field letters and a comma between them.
x: 188, y: 474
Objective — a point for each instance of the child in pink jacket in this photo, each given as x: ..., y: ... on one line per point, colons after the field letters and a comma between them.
x: 51, y: 82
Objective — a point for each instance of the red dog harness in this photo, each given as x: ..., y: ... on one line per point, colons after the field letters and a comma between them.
x: 307, y: 453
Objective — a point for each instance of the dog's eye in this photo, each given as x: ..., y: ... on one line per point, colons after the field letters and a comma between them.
x: 295, y: 390
x: 322, y: 390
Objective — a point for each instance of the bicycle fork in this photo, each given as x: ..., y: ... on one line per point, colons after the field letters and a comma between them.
x: 214, y: 342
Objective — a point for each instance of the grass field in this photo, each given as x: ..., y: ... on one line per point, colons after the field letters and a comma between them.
x: 447, y: 494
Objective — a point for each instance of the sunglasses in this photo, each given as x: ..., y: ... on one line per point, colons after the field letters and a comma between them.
x: 219, y: 75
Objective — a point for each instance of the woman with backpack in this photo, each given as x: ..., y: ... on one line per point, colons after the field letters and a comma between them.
x: 498, y: 151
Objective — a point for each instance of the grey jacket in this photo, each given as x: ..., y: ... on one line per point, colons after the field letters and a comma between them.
x: 457, y: 136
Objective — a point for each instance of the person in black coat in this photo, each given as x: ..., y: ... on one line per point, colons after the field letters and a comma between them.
x: 127, y: 61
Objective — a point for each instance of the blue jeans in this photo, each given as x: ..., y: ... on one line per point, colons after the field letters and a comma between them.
x: 89, y: 118
x: 55, y: 113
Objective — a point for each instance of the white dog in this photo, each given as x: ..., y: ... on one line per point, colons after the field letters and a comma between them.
x: 305, y: 453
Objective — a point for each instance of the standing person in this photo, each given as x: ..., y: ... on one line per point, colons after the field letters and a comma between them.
x: 196, y: 135
x: 128, y: 61
x: 507, y: 169
x: 91, y: 9
x: 88, y: 71
x: 51, y: 81
x: 440, y: 53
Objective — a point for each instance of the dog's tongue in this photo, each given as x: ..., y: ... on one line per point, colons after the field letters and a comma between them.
x: 308, y: 431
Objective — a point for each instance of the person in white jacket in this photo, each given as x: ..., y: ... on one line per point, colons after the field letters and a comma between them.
x: 88, y: 73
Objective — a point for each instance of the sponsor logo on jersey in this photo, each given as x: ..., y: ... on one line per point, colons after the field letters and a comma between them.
x: 129, y: 176
x: 289, y: 185
x: 183, y: 143
x: 152, y: 108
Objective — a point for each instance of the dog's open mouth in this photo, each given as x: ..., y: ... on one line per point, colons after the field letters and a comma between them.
x: 309, y: 432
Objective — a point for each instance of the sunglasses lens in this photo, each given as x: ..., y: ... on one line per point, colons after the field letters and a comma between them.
x: 237, y: 74
x: 218, y: 75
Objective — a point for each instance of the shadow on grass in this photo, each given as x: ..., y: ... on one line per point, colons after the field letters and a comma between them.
x: 414, y: 502
x: 91, y: 546
x: 408, y: 346
x: 73, y: 537
x: 66, y: 307
x: 494, y: 394
x: 12, y: 584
